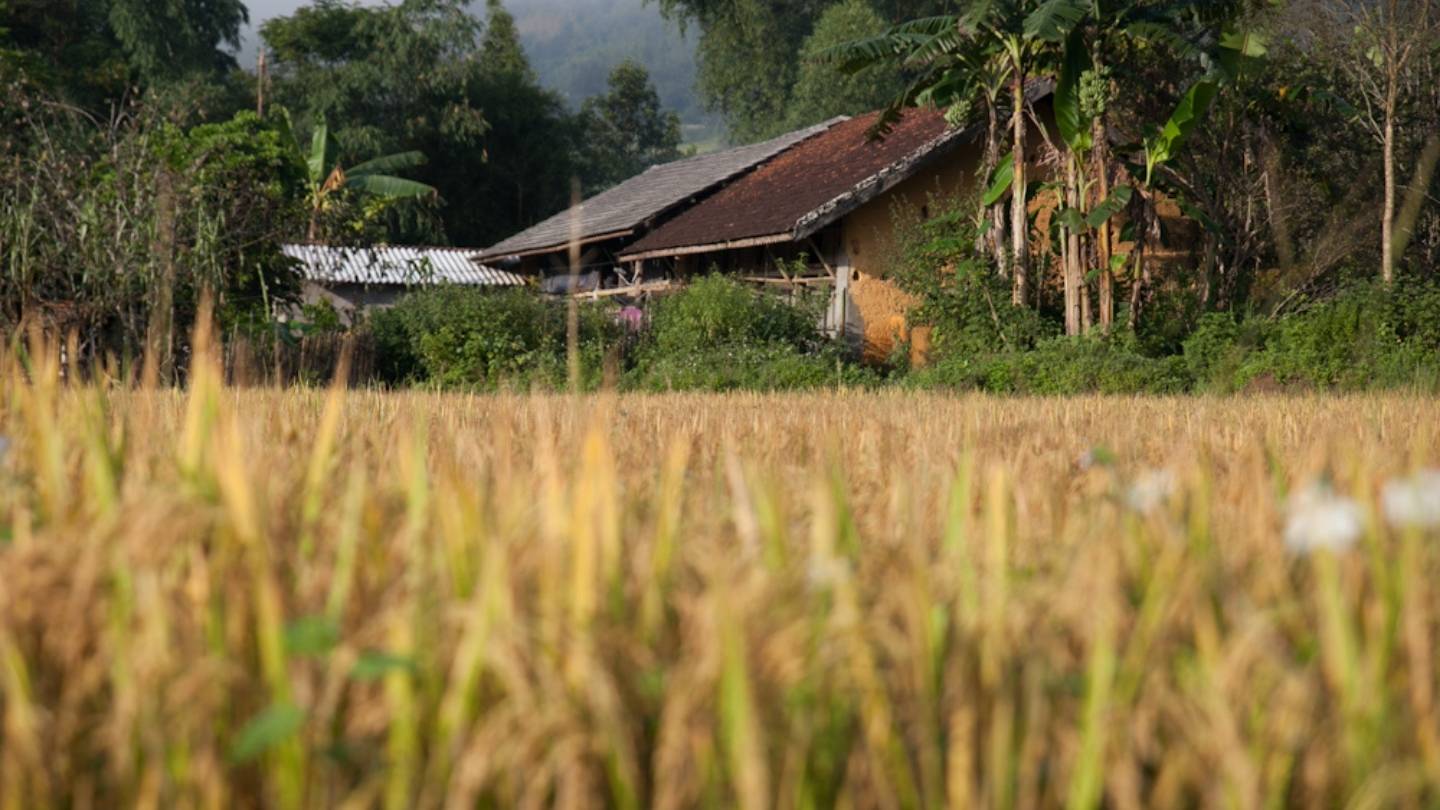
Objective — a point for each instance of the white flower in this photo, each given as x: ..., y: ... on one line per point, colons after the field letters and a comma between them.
x: 1413, y: 503
x: 1320, y: 520
x: 1151, y: 491
x: 825, y: 573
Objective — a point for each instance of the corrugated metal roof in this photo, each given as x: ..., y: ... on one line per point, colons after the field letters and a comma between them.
x: 809, y: 186
x: 623, y: 209
x: 407, y: 266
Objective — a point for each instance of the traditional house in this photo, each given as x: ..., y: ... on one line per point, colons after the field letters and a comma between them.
x: 605, y: 224
x: 354, y: 279
x: 823, y: 212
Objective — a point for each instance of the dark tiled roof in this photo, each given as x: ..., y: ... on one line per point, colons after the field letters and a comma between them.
x: 809, y: 186
x: 630, y: 205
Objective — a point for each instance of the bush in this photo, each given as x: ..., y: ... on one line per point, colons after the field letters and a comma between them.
x: 114, y: 231
x: 1061, y: 367
x: 1221, y: 354
x: 718, y: 311
x: 460, y: 337
x: 720, y: 335
x: 962, y: 296
x: 1365, y: 337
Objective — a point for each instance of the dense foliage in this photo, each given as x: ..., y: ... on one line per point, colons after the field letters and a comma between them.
x: 715, y: 335
x: 720, y: 335
x: 1236, y: 195
x: 1360, y: 335
x: 461, y: 337
x: 112, y: 232
x: 92, y: 51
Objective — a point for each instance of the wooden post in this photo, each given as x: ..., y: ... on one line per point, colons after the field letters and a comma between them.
x: 840, y: 306
x: 262, y: 77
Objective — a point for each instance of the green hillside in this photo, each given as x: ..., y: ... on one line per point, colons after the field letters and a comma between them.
x: 573, y: 45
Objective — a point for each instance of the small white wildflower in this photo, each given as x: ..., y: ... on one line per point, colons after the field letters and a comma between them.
x: 1151, y: 491
x: 824, y: 573
x: 1413, y: 503
x: 1320, y: 520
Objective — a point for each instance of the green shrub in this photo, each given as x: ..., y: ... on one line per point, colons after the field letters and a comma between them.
x: 460, y: 337
x: 721, y: 335
x: 1061, y: 367
x: 719, y: 311
x: 1365, y: 337
x: 962, y: 296
x: 1222, y: 352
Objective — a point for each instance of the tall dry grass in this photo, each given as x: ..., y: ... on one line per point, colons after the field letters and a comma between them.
x: 293, y: 599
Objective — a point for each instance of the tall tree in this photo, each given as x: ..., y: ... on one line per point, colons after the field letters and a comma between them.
x: 1381, y: 46
x: 626, y: 129
x: 92, y: 51
x: 750, y: 53
x: 501, y: 53
x: 531, y: 151
x: 167, y: 38
x: 395, y: 79
x: 1111, y: 35
x: 823, y: 91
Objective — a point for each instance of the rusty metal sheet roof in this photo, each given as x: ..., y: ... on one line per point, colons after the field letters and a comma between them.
x: 808, y: 187
x: 398, y: 266
x: 628, y: 207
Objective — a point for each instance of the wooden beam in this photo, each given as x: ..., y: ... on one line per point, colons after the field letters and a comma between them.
x: 713, y: 247
x: 820, y: 254
x: 803, y: 281
x: 654, y: 286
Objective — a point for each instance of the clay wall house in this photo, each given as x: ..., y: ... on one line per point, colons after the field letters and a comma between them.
x: 828, y: 203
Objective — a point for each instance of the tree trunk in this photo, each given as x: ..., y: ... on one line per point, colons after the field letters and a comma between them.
x: 1019, y: 214
x: 1387, y: 226
x: 1071, y: 273
x: 1102, y: 236
x: 262, y: 76
x: 1141, y: 273
x: 994, y: 240
x: 162, y: 317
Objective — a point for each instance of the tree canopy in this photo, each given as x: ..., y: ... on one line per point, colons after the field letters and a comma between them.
x: 93, y: 51
x: 626, y: 130
x: 752, y: 53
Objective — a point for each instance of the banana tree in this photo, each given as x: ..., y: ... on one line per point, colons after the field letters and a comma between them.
x: 948, y: 71
x: 375, y: 178
x: 993, y: 46
x: 1238, y: 50
x: 1022, y: 33
x: 1085, y: 92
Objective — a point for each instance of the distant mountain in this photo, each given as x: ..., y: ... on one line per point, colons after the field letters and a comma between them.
x: 574, y: 44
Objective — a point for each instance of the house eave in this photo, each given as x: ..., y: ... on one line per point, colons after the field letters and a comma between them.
x: 554, y: 247
x: 709, y: 247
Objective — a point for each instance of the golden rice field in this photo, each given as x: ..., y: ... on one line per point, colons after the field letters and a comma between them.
x: 300, y: 599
